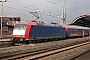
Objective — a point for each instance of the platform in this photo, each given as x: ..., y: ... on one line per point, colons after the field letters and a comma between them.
x: 4, y: 40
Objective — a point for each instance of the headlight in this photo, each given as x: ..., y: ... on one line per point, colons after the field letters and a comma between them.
x: 27, y: 39
x: 23, y: 36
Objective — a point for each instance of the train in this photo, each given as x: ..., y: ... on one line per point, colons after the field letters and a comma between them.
x: 28, y: 32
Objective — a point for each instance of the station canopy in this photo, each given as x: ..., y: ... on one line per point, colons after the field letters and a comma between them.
x: 83, y: 20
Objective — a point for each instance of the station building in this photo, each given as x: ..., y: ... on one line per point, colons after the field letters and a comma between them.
x: 8, y: 25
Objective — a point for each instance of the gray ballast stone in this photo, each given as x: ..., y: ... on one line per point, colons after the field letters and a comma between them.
x: 15, y: 50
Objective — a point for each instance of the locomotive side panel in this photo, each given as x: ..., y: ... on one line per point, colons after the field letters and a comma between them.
x: 46, y: 32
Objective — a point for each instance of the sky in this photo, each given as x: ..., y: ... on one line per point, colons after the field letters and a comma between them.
x: 51, y: 9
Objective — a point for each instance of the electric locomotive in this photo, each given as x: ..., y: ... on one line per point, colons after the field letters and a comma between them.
x: 26, y: 32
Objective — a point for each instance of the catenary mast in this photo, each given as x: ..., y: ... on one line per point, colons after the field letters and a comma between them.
x: 64, y: 13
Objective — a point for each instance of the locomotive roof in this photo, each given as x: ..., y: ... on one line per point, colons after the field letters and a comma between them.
x: 31, y: 23
x: 48, y: 24
x: 40, y: 24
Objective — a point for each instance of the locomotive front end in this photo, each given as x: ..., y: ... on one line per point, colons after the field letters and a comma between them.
x: 19, y: 33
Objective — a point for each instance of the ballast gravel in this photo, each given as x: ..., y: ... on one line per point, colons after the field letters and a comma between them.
x: 16, y: 50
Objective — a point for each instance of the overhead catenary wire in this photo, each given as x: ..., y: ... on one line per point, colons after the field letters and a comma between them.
x: 62, y: 6
x: 34, y: 8
x: 24, y: 5
x: 27, y: 11
x: 14, y: 8
x: 52, y: 3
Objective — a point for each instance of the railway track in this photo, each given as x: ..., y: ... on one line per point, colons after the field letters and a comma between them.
x: 8, y: 43
x: 83, y: 56
x: 45, y: 53
x: 72, y: 58
x: 5, y: 43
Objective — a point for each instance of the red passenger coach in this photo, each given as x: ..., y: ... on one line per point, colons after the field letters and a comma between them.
x: 76, y: 31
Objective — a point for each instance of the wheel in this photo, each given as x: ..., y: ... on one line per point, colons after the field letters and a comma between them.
x: 34, y: 41
x: 28, y: 42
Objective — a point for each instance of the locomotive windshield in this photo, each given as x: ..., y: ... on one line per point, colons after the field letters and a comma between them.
x: 20, y: 26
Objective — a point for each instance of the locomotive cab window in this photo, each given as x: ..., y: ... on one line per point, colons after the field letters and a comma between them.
x: 20, y: 26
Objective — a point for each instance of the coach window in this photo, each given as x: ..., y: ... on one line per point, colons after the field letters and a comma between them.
x: 71, y: 30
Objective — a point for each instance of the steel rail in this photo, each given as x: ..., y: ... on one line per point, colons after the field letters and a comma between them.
x: 45, y: 53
